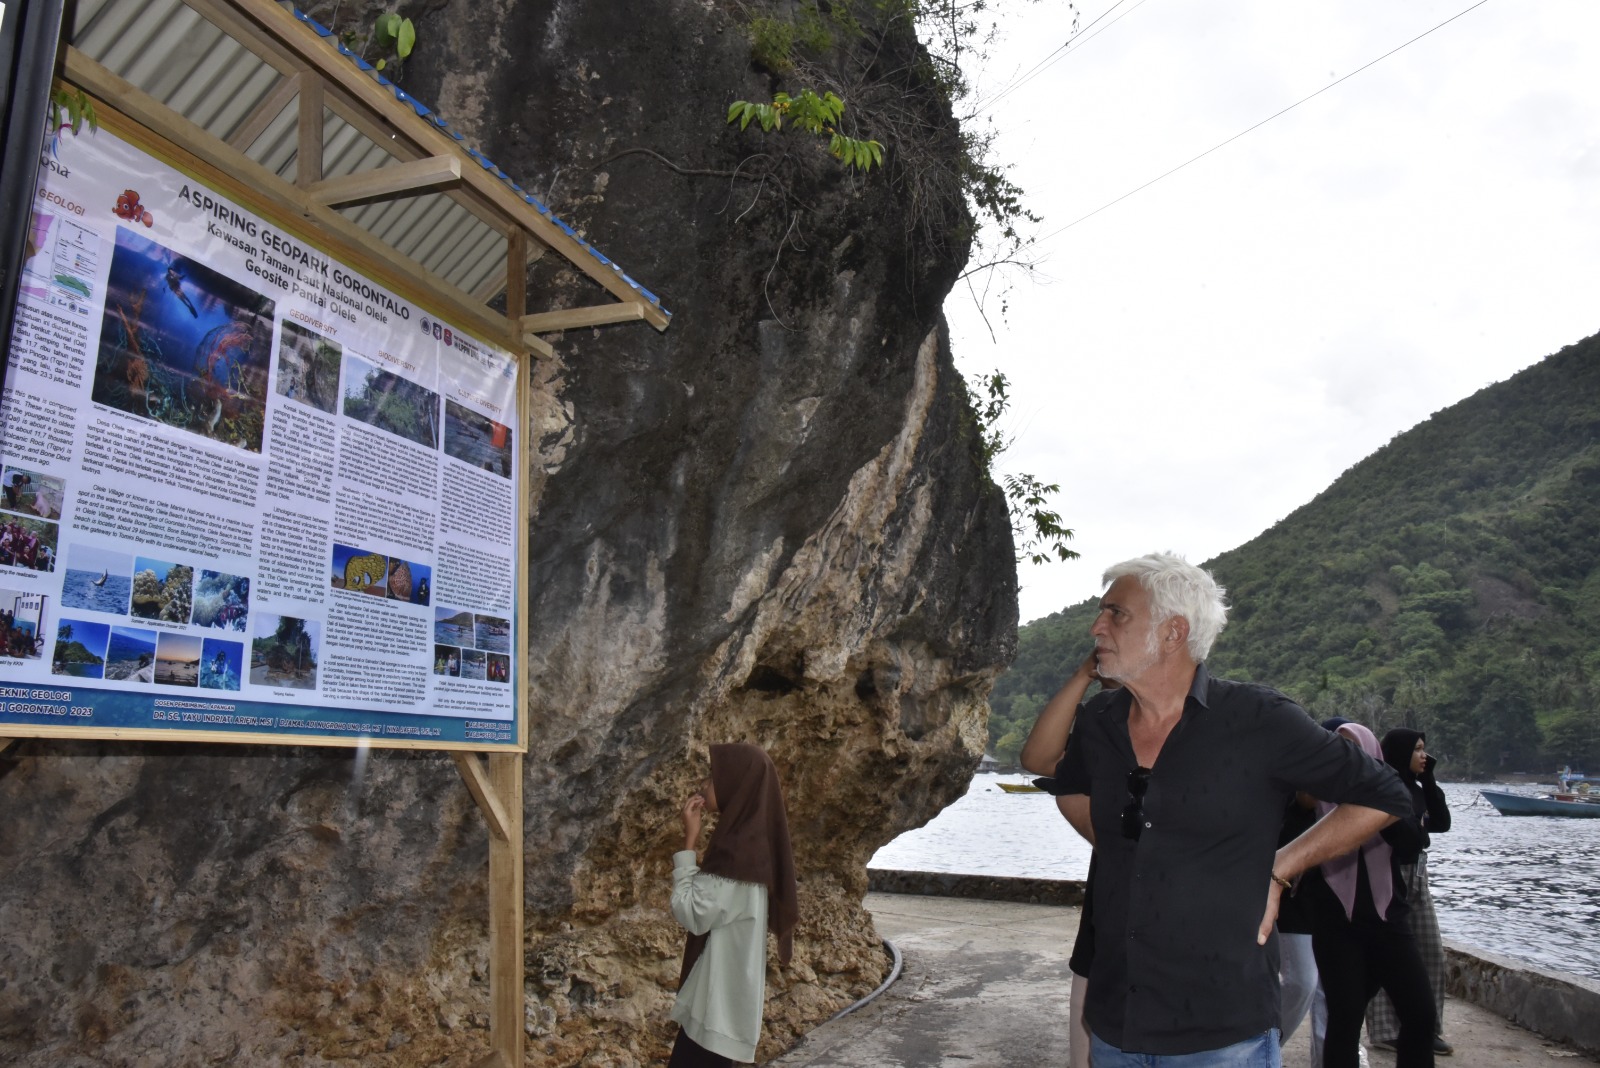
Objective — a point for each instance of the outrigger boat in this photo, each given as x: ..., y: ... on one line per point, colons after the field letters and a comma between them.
x: 1018, y: 787
x: 1574, y: 796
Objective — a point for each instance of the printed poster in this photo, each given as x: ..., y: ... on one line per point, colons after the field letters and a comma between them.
x: 245, y: 489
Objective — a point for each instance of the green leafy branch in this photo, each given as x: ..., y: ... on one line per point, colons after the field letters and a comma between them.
x: 988, y: 408
x: 1043, y: 534
x: 814, y: 114
x: 77, y: 108
x: 1038, y: 529
x: 392, y: 31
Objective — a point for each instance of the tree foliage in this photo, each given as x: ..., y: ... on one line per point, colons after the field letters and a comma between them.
x: 1038, y: 530
x: 391, y: 34
x: 814, y: 114
x: 1449, y: 582
x: 72, y: 108
x: 957, y: 192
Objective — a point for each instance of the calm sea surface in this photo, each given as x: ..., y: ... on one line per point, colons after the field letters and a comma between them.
x: 1526, y: 887
x: 78, y: 590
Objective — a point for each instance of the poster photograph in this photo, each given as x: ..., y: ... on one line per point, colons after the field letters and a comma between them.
x: 231, y: 469
x: 182, y: 344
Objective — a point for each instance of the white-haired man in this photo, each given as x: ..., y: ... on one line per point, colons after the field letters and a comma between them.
x: 1180, y: 782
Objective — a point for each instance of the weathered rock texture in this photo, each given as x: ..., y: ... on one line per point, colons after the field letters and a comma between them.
x: 766, y: 524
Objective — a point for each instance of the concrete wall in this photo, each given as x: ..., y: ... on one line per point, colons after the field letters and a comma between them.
x: 1562, y: 1007
x: 985, y: 887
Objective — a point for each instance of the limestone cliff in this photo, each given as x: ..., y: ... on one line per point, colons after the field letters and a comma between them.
x: 766, y: 524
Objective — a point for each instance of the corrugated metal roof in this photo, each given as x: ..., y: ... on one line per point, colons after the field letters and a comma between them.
x: 172, y: 52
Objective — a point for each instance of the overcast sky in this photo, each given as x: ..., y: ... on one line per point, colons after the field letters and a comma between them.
x: 1197, y: 361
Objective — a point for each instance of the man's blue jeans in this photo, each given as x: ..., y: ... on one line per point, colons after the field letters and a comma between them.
x: 1258, y: 1052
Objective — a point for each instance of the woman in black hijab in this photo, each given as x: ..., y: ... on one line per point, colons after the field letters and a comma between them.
x: 1406, y: 751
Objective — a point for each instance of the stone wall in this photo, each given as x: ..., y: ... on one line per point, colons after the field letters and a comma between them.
x: 1026, y: 891
x: 1563, y: 1007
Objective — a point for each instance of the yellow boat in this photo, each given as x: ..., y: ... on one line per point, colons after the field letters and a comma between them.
x: 1019, y: 787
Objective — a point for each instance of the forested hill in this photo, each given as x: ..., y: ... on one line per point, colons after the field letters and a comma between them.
x: 1450, y: 581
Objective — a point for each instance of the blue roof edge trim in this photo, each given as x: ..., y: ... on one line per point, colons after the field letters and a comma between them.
x: 435, y: 120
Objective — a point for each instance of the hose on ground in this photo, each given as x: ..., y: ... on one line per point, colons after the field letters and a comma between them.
x: 894, y: 973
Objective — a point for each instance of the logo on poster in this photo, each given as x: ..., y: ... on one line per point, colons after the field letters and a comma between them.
x: 438, y: 331
x: 425, y: 327
x: 448, y: 339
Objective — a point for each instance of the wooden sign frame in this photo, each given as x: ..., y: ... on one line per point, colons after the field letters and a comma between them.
x: 318, y: 74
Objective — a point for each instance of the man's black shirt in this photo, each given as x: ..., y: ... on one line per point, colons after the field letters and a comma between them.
x: 1176, y: 966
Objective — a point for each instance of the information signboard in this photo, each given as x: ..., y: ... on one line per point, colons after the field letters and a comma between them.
x: 248, y: 493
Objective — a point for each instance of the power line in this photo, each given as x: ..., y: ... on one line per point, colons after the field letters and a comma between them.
x: 1258, y: 125
x: 1061, y: 53
x: 1050, y: 59
x: 1073, y: 36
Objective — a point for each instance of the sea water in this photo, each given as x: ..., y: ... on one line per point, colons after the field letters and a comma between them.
x: 446, y: 633
x: 131, y: 654
x: 78, y: 590
x: 1526, y: 887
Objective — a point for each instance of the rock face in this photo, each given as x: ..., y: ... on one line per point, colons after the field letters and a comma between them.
x: 765, y: 524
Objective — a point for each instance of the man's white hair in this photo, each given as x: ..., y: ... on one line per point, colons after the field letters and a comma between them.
x: 1178, y: 588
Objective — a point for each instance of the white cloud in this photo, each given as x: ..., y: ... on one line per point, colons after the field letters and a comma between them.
x: 1210, y: 353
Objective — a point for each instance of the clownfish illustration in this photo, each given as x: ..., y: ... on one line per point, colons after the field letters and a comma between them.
x: 129, y: 208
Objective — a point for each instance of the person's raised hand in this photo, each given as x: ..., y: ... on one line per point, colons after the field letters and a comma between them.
x: 693, y: 811
x: 1091, y: 666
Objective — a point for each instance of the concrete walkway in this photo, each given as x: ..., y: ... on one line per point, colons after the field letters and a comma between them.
x: 985, y: 986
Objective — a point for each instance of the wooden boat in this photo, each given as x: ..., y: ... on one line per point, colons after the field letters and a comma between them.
x: 1019, y: 787
x: 1510, y: 804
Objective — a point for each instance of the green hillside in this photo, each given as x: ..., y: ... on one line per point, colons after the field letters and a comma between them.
x: 1450, y: 581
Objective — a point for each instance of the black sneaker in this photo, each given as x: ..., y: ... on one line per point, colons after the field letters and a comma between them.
x: 1441, y: 1048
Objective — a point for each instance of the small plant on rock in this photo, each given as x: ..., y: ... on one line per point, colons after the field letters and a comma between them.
x: 814, y: 114
x: 392, y: 35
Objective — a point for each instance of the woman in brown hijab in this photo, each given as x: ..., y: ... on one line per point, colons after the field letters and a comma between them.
x: 743, y: 888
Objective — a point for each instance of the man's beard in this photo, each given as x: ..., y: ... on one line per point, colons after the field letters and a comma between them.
x: 1129, y: 669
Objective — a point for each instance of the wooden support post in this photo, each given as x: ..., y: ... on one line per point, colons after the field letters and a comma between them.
x: 535, y: 343
x: 269, y: 109
x: 395, y: 180
x: 517, y: 243
x: 308, y: 158
x: 507, y: 999
x: 483, y: 792
x: 499, y: 795
x: 6, y: 743
x: 516, y: 275
x: 627, y: 311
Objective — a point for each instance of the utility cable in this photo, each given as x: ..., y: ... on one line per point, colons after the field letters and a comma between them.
x: 1061, y: 53
x: 1073, y: 36
x: 1257, y: 126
